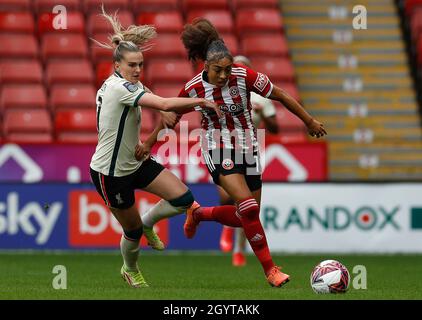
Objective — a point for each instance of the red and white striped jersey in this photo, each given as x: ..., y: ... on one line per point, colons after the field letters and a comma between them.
x: 235, y: 129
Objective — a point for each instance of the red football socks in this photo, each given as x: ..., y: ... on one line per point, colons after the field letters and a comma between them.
x: 225, y: 215
x: 249, y: 213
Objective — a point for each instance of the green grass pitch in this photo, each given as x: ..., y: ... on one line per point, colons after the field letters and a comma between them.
x: 190, y: 276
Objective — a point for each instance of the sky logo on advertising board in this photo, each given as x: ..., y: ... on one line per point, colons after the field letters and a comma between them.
x: 335, y: 218
x: 93, y: 225
x: 31, y: 219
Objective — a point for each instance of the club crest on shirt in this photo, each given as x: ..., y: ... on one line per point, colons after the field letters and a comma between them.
x: 234, y: 92
x: 227, y: 164
x: 130, y: 86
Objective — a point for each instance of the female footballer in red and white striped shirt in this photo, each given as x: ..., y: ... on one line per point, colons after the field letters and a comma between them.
x: 230, y: 145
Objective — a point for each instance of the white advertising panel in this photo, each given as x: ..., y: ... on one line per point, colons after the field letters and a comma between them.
x: 343, y: 218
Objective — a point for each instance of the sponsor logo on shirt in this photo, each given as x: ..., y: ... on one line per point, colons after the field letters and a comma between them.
x: 231, y: 108
x: 260, y: 82
x: 130, y: 86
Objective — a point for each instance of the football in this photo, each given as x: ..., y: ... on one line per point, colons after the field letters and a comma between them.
x: 330, y: 276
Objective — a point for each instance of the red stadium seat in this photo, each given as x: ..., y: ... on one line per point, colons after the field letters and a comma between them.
x: 155, y: 5
x: 416, y: 24
x: 76, y: 126
x: 27, y: 121
x: 75, y: 121
x: 167, y: 90
x: 287, y: 121
x: 31, y: 137
x: 20, y: 71
x: 231, y: 43
x: 72, y: 97
x: 63, y: 46
x: 276, y: 69
x: 18, y: 46
x: 48, y: 5
x: 170, y: 21
x: 78, y: 137
x: 257, y: 21
x: 264, y: 44
x: 191, y: 119
x: 205, y: 4
x: 221, y: 19
x: 149, y: 120
x: 290, y: 88
x: 419, y: 50
x: 15, y: 5
x: 242, y: 4
x: 103, y: 71
x: 411, y: 5
x: 23, y: 96
x: 166, y: 46
x: 69, y: 72
x: 16, y: 22
x: 98, y: 53
x: 75, y: 23
x: 168, y: 71
x: 109, y: 5
x: 99, y: 24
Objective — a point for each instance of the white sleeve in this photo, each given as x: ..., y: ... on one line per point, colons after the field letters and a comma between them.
x: 131, y: 93
x: 269, y: 109
x: 267, y: 105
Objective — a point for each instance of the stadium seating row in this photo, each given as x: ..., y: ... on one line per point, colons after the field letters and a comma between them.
x: 246, y: 21
x: 79, y: 125
x: 134, y: 5
x: 47, y: 83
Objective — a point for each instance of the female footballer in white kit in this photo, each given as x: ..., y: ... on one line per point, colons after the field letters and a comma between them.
x: 121, y: 163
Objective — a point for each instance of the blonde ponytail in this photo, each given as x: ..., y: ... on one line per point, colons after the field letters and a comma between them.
x: 138, y: 35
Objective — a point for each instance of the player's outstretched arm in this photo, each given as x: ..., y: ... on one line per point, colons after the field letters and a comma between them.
x: 315, y: 128
x: 152, y: 101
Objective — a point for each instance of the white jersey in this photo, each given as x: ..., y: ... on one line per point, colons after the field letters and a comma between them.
x: 118, y: 125
x: 268, y: 108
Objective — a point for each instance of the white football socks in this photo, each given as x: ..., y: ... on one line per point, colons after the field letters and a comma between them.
x: 130, y: 253
x: 162, y: 210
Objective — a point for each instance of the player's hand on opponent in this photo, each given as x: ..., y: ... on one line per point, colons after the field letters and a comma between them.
x: 316, y: 128
x: 212, y: 105
x: 169, y: 119
x: 142, y: 151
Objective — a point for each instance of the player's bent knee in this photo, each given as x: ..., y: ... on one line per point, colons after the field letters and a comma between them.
x: 184, y: 201
x: 135, y: 234
x: 249, y: 209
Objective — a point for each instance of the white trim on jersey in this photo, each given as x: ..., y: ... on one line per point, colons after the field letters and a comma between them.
x: 208, y: 161
x: 195, y: 79
x: 241, y: 82
x: 208, y: 94
x: 227, y: 98
x: 239, y: 73
x: 103, y: 189
x: 270, y: 91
